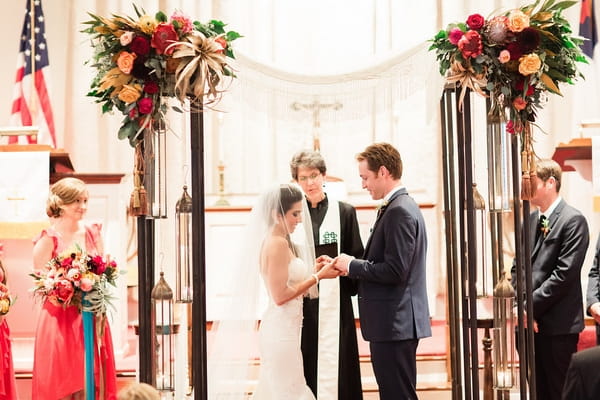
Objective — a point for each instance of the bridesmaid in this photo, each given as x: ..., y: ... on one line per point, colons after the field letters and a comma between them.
x: 8, y: 385
x: 59, y: 335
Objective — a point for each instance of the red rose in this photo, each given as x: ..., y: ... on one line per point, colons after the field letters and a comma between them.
x: 475, y: 21
x: 163, y: 36
x: 64, y: 290
x: 99, y: 266
x: 514, y: 50
x: 140, y: 45
x: 145, y: 105
x: 510, y: 127
x: 151, y: 87
x: 520, y: 85
x: 470, y: 44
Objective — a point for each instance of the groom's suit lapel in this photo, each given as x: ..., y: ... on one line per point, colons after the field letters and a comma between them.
x: 377, y: 224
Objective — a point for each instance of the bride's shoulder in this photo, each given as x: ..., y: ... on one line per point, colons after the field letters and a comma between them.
x: 276, y: 245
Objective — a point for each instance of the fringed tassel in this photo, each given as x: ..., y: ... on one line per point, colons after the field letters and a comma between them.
x: 138, y: 202
x: 528, y: 167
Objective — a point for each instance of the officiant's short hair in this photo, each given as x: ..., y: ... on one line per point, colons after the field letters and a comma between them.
x: 63, y: 192
x: 307, y: 159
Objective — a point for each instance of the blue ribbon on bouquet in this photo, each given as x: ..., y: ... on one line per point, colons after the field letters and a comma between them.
x: 88, y: 343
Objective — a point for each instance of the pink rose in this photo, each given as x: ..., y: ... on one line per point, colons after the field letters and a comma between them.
x: 455, y: 35
x: 184, y: 22
x: 475, y: 21
x: 145, y: 105
x: 140, y: 46
x: 470, y: 44
x: 126, y: 38
x: 504, y: 56
x: 163, y: 36
x: 86, y: 284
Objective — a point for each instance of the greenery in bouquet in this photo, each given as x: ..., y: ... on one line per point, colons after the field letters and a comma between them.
x: 141, y: 60
x: 515, y: 58
x: 74, y: 278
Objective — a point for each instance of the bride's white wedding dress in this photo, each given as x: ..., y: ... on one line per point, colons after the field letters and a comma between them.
x: 281, y: 368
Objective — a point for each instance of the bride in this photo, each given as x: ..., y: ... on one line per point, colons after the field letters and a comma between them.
x: 279, y: 252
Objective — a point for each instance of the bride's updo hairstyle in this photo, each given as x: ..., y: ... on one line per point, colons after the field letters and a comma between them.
x: 288, y: 196
x: 62, y: 193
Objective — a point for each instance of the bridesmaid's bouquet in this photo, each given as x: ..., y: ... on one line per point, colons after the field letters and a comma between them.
x: 75, y: 278
x: 6, y: 300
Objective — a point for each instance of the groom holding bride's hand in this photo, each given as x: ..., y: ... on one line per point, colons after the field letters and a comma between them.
x: 392, y: 294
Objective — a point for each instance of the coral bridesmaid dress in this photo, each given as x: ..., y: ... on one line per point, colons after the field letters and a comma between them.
x: 58, y: 361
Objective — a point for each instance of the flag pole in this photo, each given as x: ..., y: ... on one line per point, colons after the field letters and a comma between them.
x: 32, y: 90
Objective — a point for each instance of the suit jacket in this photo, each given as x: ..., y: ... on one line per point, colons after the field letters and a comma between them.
x: 392, y: 292
x: 583, y: 380
x: 556, y: 261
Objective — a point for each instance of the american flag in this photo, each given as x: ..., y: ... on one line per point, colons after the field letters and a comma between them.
x: 587, y: 27
x: 31, y: 101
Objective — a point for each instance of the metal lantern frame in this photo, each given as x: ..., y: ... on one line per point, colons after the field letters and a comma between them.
x: 164, y: 330
x: 464, y: 315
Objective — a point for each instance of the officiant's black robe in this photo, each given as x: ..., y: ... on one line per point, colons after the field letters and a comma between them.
x: 349, y: 381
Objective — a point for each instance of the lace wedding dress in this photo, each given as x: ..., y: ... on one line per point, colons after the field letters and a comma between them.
x: 281, y: 372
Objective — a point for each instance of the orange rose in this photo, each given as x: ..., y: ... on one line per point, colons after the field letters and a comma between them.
x: 519, y: 103
x: 125, y: 62
x: 529, y: 64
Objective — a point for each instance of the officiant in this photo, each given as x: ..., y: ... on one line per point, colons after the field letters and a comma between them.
x: 329, y: 346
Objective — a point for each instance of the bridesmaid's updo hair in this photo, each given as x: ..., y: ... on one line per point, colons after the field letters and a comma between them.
x: 288, y: 196
x: 62, y: 193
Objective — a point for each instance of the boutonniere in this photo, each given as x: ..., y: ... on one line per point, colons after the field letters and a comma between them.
x: 545, y: 227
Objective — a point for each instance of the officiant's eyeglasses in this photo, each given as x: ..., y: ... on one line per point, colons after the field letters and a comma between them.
x: 308, y: 178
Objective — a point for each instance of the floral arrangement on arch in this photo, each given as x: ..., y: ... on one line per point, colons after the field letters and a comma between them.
x: 73, y: 275
x: 141, y: 60
x: 514, y: 58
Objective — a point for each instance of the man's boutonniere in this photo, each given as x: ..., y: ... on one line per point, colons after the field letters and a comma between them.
x: 545, y: 227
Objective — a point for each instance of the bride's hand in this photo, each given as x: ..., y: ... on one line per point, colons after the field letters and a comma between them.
x: 322, y: 261
x: 327, y: 271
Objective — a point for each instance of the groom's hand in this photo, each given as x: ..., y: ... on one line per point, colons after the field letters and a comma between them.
x: 342, y: 262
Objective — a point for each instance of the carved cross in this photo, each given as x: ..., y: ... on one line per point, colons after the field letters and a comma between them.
x: 315, y: 108
x: 16, y: 198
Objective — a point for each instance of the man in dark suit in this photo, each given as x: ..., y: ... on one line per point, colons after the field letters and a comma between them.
x: 392, y: 293
x: 593, y: 291
x: 583, y: 379
x: 329, y: 345
x: 559, y: 236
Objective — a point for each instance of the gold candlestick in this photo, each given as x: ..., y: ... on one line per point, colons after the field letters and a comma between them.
x: 222, y: 201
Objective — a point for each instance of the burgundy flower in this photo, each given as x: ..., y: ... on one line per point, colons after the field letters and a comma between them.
x: 139, y: 70
x: 515, y: 51
x: 520, y: 85
x: 145, y: 105
x: 98, y: 265
x: 470, y: 44
x: 140, y: 45
x: 510, y: 127
x: 475, y: 21
x: 163, y: 36
x: 151, y: 87
x: 528, y: 40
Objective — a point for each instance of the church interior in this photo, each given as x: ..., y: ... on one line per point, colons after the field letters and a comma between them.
x: 330, y: 75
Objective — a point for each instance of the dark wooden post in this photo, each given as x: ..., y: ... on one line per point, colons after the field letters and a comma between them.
x: 145, y: 234
x: 199, y: 368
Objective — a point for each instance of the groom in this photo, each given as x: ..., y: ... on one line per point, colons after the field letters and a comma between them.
x: 392, y: 295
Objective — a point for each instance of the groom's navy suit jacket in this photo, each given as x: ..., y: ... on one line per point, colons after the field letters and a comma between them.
x: 392, y: 292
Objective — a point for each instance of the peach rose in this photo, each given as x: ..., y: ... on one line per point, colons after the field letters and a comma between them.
x: 129, y: 94
x: 529, y: 64
x: 517, y: 21
x: 125, y: 62
x: 86, y: 284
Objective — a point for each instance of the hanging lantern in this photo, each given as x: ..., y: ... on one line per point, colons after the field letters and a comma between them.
x: 483, y: 283
x: 163, y: 324
x: 183, y: 223
x: 499, y: 164
x: 504, y: 334
x: 155, y: 156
